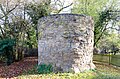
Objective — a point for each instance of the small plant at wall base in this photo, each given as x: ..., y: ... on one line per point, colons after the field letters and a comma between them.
x: 44, y: 69
x: 40, y: 69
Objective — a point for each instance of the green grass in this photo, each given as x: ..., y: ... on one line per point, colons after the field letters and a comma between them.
x: 85, y: 75
x: 101, y: 72
x: 114, y: 59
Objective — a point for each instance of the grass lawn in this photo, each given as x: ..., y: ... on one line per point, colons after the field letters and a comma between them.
x: 114, y: 59
x: 102, y: 71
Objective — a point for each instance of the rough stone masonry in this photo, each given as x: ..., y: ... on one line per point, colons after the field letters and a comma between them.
x: 66, y: 42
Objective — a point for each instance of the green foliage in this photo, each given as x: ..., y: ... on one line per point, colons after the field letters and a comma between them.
x: 44, y: 69
x: 40, y: 69
x: 6, y: 45
x: 2, y: 58
x: 31, y: 41
x: 110, y: 42
x: 36, y: 11
x: 6, y: 48
x: 86, y: 7
x: 102, y: 13
x: 20, y: 22
x: 101, y: 24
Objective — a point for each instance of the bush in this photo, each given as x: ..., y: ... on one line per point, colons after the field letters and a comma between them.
x: 6, y: 49
x: 44, y: 69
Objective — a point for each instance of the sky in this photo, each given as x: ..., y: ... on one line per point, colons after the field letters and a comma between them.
x: 65, y: 3
x: 61, y: 2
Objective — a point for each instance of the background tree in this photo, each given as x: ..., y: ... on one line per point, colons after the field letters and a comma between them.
x: 110, y: 41
x: 19, y: 21
x: 58, y: 6
x: 36, y: 11
x: 101, y: 13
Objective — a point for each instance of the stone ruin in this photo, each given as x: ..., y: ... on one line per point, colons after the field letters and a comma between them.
x: 66, y: 42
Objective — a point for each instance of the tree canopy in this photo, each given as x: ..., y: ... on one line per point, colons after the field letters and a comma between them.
x: 102, y: 13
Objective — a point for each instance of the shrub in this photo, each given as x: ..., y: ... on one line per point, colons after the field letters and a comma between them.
x: 6, y: 49
x: 44, y: 69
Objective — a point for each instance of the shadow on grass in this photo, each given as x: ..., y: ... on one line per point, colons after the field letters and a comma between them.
x: 91, y: 74
x: 39, y: 72
x: 106, y: 75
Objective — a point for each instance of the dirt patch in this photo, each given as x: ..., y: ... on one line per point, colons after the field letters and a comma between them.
x: 17, y: 68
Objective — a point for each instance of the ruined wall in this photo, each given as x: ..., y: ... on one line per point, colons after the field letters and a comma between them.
x: 66, y: 42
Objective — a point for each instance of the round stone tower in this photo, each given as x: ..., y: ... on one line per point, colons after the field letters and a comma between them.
x: 66, y: 42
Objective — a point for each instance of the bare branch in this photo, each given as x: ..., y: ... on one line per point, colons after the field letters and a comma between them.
x: 5, y: 14
x: 113, y: 28
x: 2, y: 9
x: 64, y: 7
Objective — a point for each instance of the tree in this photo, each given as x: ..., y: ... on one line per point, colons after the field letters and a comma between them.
x: 19, y: 21
x: 14, y: 26
x: 86, y: 7
x: 57, y: 6
x: 110, y: 41
x: 36, y: 11
x: 101, y: 24
x: 101, y: 13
